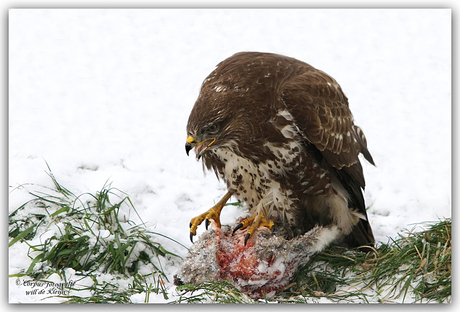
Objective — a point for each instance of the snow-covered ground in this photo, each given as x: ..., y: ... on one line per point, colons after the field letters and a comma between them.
x: 105, y: 95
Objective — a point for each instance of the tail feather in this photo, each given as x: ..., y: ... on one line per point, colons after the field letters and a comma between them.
x: 361, y: 235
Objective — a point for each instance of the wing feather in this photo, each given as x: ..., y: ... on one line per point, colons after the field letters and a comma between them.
x: 322, y: 114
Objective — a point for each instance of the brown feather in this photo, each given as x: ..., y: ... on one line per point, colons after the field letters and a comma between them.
x: 287, y: 143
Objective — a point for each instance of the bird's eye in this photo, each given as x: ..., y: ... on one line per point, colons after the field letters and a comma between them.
x: 212, y: 129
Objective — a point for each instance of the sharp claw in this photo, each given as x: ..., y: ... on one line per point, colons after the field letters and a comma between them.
x: 206, y: 223
x: 273, y: 228
x: 191, y: 237
x: 246, y: 238
x: 239, y: 226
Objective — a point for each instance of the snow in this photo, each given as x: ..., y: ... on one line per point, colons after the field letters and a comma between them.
x: 104, y: 95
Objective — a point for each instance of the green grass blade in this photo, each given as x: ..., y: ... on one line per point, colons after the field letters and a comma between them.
x: 21, y: 235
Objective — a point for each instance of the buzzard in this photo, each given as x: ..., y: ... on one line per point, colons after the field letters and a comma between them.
x: 280, y: 133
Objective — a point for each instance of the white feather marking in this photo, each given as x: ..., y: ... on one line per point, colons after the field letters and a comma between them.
x: 288, y: 132
x: 220, y: 88
x: 287, y: 115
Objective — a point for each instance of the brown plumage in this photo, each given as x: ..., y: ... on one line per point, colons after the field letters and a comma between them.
x: 281, y: 135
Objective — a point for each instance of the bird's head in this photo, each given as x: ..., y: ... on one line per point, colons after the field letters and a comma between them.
x: 208, y: 123
x: 203, y: 138
x: 215, y: 121
x: 223, y: 113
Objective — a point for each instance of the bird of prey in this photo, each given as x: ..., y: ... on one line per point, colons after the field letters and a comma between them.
x: 281, y: 135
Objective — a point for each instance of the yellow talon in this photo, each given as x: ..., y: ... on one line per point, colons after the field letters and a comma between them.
x: 256, y: 221
x: 244, y: 223
x: 212, y: 214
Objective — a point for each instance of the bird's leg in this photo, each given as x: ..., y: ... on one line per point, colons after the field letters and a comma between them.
x: 255, y: 221
x: 212, y: 214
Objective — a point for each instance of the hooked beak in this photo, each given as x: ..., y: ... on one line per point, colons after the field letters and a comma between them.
x: 200, y: 147
x: 188, y: 145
